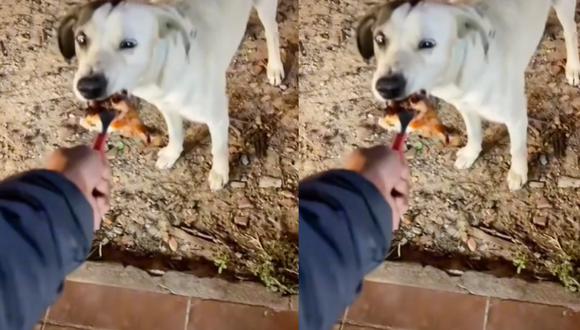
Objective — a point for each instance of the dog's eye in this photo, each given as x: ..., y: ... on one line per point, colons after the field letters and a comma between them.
x: 128, y: 44
x: 380, y: 39
x: 81, y: 39
x: 426, y: 44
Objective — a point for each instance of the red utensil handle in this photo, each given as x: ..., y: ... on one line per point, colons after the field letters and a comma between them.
x: 399, y: 142
x: 100, y: 142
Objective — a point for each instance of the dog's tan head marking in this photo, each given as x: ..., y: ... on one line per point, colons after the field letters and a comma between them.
x: 120, y: 43
x: 73, y: 20
x: 419, y: 44
x: 376, y: 17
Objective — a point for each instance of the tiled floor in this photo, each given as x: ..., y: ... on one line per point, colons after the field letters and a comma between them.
x: 387, y: 306
x: 380, y: 306
x: 89, y: 306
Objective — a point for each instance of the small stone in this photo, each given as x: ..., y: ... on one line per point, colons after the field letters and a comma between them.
x: 537, y: 184
x: 543, y: 203
x: 568, y: 182
x: 471, y: 244
x: 283, y: 87
x: 172, y: 244
x: 237, y: 184
x: 241, y: 221
x: 455, y: 272
x: 245, y: 203
x: 576, y: 103
x: 269, y: 182
x: 452, y: 231
x: 541, y: 221
x: 245, y: 160
x: 543, y: 160
x: 156, y: 272
x: 417, y: 230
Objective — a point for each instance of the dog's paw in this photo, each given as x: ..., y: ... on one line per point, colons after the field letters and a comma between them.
x: 275, y: 73
x: 466, y: 156
x: 217, y: 180
x: 167, y: 157
x: 516, y: 180
x: 573, y: 74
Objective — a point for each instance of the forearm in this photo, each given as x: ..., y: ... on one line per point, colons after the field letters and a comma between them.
x: 345, y: 232
x: 45, y: 233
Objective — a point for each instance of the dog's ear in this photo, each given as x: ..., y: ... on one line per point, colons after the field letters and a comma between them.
x: 468, y: 25
x: 171, y: 22
x: 364, y: 36
x: 66, y: 35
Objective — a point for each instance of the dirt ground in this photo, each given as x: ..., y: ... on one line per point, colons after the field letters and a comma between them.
x: 249, y: 229
x: 470, y: 213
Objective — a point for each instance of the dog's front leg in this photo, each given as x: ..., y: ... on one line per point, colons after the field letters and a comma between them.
x: 267, y: 10
x: 566, y: 10
x: 218, y: 129
x: 517, y: 127
x: 467, y: 155
x: 168, y: 155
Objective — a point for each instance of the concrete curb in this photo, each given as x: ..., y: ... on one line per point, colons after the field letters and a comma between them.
x: 249, y: 293
x: 181, y: 284
x: 476, y: 283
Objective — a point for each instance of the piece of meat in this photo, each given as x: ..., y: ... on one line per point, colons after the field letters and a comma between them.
x: 425, y: 123
x: 127, y: 122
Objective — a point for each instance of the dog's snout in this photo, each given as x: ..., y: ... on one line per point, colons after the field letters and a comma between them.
x: 92, y: 87
x: 391, y: 86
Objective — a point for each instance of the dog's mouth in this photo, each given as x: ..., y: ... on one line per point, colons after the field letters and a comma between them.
x: 394, y: 107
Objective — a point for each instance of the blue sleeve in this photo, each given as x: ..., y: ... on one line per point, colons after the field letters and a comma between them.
x: 345, y: 232
x: 46, y: 229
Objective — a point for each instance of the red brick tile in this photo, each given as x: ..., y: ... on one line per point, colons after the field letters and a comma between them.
x: 513, y: 315
x: 215, y: 315
x: 385, y: 305
x: 356, y: 327
x: 118, y: 308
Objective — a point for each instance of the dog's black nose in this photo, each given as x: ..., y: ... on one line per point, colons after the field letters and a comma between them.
x: 391, y: 86
x: 92, y: 87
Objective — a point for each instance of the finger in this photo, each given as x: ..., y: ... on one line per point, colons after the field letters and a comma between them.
x: 405, y: 171
x: 103, y: 205
x: 107, y: 173
x: 355, y: 161
x: 103, y: 188
x: 402, y: 188
x: 402, y: 204
x: 395, y: 213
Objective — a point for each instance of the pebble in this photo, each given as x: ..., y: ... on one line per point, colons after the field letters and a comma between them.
x: 543, y: 203
x: 452, y: 231
x: 118, y: 230
x: 269, y: 182
x: 241, y: 221
x: 471, y: 244
x: 568, y: 182
x: 245, y: 160
x: 245, y: 203
x: 417, y: 230
x: 455, y: 272
x: 156, y: 272
x: 172, y: 244
x: 537, y: 184
x: 237, y: 184
x: 541, y: 221
x: 543, y: 160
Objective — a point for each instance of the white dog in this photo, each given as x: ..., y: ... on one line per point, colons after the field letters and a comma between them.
x: 173, y: 56
x: 471, y: 56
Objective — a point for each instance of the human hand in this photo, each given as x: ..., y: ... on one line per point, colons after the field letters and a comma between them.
x: 90, y: 172
x: 389, y: 172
